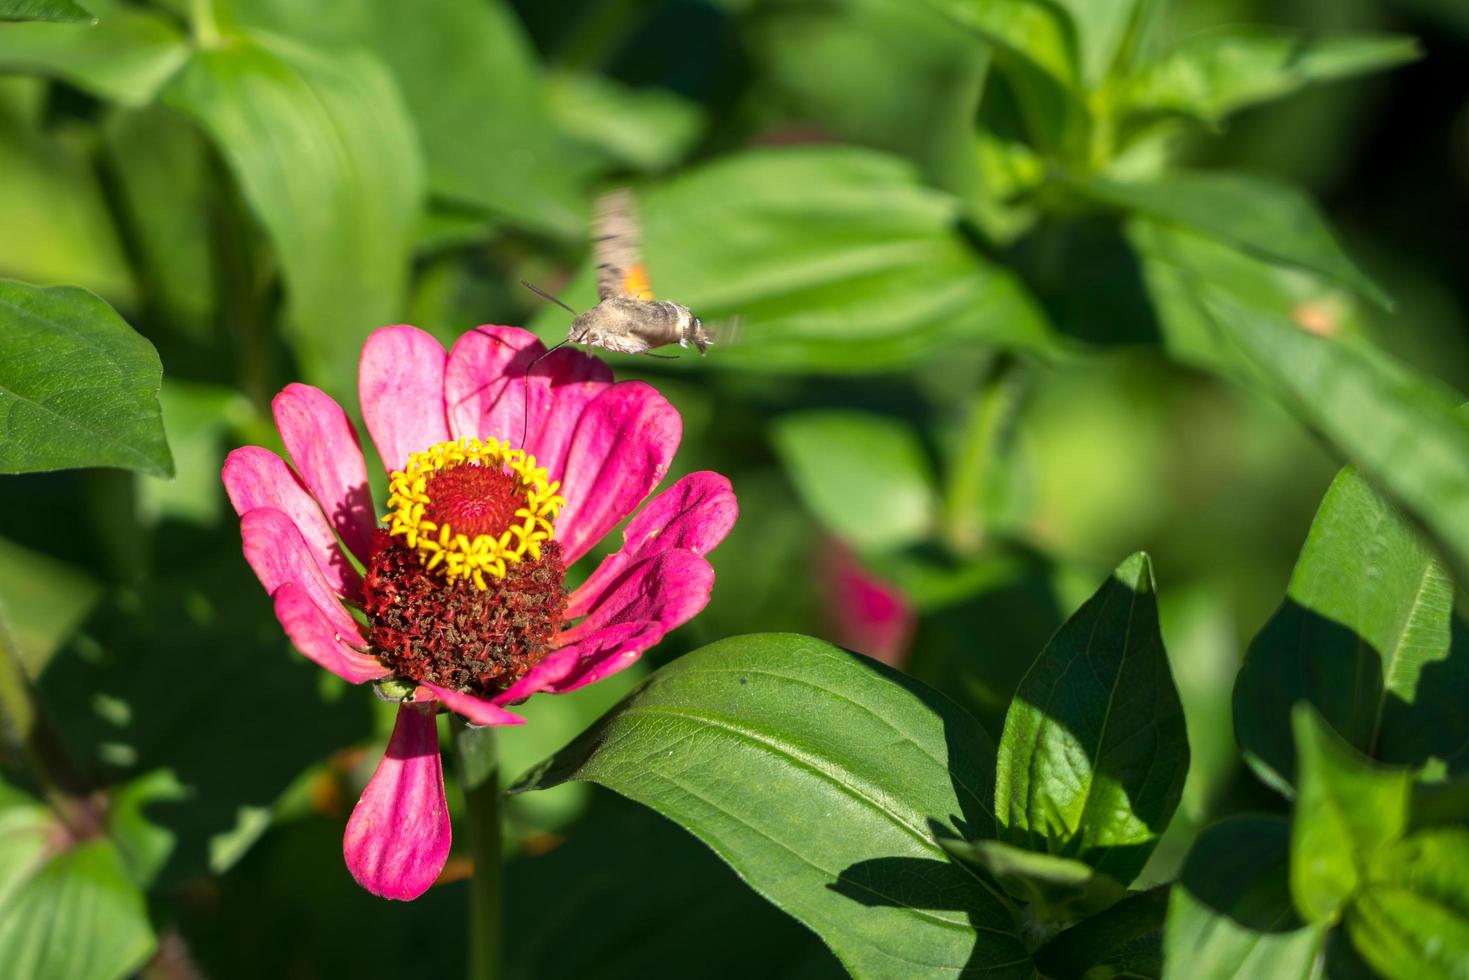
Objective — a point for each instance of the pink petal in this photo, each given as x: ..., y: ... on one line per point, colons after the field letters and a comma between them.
x: 279, y: 555
x: 544, y: 676
x: 664, y: 591
x: 694, y: 514
x: 255, y: 477
x: 623, y: 444
x: 484, y: 382
x: 561, y: 386
x: 311, y: 631
x: 601, y: 654
x: 401, y: 385
x: 475, y: 708
x: 398, y: 836
x: 867, y: 614
x: 324, y: 447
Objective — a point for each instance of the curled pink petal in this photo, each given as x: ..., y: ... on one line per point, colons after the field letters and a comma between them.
x: 398, y: 837
x: 668, y: 590
x: 484, y: 382
x: 312, y: 633
x: 477, y: 709
x: 401, y: 385
x: 561, y: 387
x: 866, y: 614
x: 694, y: 514
x: 255, y: 477
x: 600, y: 654
x: 324, y: 447
x: 279, y: 555
x: 620, y: 451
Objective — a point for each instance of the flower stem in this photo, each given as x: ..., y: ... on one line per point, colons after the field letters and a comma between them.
x: 479, y: 774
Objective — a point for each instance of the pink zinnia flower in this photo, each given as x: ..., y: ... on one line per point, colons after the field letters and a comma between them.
x: 865, y: 613
x: 463, y: 595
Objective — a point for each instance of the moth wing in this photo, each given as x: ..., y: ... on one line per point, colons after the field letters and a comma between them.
x: 618, y: 247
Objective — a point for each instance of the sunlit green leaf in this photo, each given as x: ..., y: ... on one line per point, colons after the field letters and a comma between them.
x: 60, y: 10
x: 1094, y: 755
x: 1412, y: 919
x: 126, y: 55
x: 852, y: 761
x: 1212, y: 75
x: 326, y: 155
x: 864, y: 476
x: 1260, y: 215
x: 1346, y: 809
x: 1101, y: 27
x: 1230, y: 915
x: 78, y: 386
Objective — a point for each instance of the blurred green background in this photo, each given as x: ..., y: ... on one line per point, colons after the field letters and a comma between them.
x: 933, y: 313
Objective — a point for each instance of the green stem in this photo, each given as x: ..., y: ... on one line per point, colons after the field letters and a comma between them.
x: 991, y: 412
x: 204, y: 23
x: 27, y: 732
x: 479, y: 773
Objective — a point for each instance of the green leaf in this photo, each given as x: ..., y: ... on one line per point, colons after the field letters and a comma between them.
x: 1412, y: 919
x: 1402, y: 430
x: 1346, y: 809
x: 326, y: 156
x: 787, y: 241
x: 1057, y: 889
x: 1094, y: 754
x: 126, y: 54
x: 1101, y: 29
x: 851, y: 761
x: 864, y: 476
x: 1368, y: 608
x: 78, y: 386
x: 62, y: 10
x: 1262, y: 216
x: 70, y: 913
x: 1230, y: 915
x: 469, y: 76
x: 645, y: 129
x: 42, y: 600
x: 1126, y: 940
x: 1213, y: 75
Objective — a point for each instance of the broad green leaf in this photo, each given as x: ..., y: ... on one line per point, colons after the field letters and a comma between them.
x: 126, y: 55
x: 788, y: 242
x: 1215, y: 74
x: 1101, y: 28
x: 1368, y: 608
x: 1230, y: 915
x: 469, y: 76
x: 78, y: 386
x: 645, y: 129
x: 864, y: 476
x: 71, y: 912
x: 1057, y: 889
x: 1346, y: 809
x: 57, y: 10
x: 1094, y: 755
x: 851, y: 761
x: 1126, y: 940
x: 1401, y: 429
x: 1412, y: 919
x: 327, y: 157
x: 1262, y: 216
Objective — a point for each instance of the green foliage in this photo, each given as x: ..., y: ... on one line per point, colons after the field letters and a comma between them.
x: 78, y: 387
x: 54, y: 10
x: 126, y: 55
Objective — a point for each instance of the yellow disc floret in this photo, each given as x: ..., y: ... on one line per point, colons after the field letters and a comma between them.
x: 471, y: 507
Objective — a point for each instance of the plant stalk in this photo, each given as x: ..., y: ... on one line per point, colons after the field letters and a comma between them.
x: 479, y: 774
x: 991, y: 415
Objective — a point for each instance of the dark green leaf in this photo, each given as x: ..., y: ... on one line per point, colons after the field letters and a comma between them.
x: 1057, y: 889
x: 851, y: 761
x: 1230, y: 915
x: 1346, y: 809
x: 42, y: 600
x: 126, y: 55
x: 1403, y: 430
x: 1094, y: 755
x: 1412, y: 919
x: 69, y: 913
x: 78, y: 386
x: 43, y: 10
x: 326, y: 156
x: 1260, y: 215
x: 1212, y: 75
x: 864, y: 476
x: 1367, y: 611
x: 826, y: 281
x: 1126, y: 940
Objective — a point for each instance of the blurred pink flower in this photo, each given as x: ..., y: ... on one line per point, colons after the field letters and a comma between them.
x: 463, y: 595
x: 865, y: 613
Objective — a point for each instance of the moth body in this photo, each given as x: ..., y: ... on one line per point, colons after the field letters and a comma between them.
x: 632, y: 325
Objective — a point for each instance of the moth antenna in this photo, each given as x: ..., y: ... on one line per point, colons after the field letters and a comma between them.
x: 545, y: 295
x: 525, y: 403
